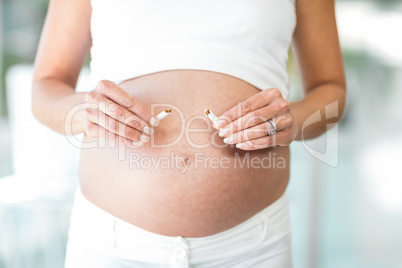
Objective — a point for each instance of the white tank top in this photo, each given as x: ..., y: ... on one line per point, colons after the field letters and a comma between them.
x: 247, y: 39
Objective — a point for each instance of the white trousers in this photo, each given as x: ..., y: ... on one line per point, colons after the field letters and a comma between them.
x: 97, y: 239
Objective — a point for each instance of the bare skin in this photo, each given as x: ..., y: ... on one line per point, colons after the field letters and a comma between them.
x: 185, y: 199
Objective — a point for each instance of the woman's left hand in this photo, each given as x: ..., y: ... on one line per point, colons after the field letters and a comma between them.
x: 245, y: 124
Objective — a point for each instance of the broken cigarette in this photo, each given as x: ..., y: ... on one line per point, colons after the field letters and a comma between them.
x: 163, y: 114
x: 210, y: 115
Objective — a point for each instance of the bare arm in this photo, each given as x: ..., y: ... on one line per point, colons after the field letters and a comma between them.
x: 318, y: 55
x: 62, y: 51
x: 110, y: 112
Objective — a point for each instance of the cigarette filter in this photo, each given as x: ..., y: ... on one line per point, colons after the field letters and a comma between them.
x: 210, y: 115
x: 163, y: 114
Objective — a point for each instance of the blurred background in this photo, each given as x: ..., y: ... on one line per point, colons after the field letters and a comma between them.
x: 345, y: 189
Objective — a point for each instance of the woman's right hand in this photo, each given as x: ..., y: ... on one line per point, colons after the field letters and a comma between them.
x: 112, y: 113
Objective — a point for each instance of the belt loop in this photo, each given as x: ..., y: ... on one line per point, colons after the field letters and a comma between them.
x: 114, y: 232
x: 265, y: 222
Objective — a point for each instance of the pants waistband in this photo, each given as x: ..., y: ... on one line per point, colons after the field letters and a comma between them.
x: 119, y: 238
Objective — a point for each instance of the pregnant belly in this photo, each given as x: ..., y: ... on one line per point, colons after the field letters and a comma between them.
x: 185, y: 181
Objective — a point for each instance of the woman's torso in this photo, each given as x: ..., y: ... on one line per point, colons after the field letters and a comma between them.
x: 196, y: 186
x: 192, y: 55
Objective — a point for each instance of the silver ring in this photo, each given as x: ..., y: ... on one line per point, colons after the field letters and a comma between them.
x: 273, y: 123
x: 271, y: 130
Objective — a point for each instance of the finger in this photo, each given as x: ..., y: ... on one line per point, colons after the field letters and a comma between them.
x: 253, y: 103
x: 119, y: 113
x: 255, y: 117
x: 280, y: 138
x: 116, y: 127
x: 282, y: 122
x: 94, y: 130
x: 120, y: 96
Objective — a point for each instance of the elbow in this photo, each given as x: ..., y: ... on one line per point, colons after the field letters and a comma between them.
x: 35, y: 108
x: 335, y: 104
x: 38, y: 104
x: 341, y: 103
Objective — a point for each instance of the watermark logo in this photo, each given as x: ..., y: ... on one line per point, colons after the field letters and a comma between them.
x: 330, y: 156
x: 184, y: 130
x: 203, y: 161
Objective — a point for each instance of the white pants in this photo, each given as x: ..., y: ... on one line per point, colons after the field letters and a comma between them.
x: 97, y: 239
